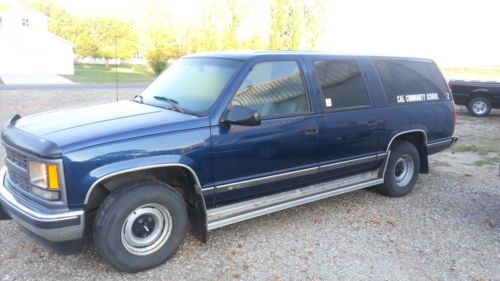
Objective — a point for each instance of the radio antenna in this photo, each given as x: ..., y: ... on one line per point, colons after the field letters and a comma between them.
x: 116, y: 69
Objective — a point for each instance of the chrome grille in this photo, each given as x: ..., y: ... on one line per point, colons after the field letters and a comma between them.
x: 17, y: 158
x: 19, y: 181
x: 17, y: 170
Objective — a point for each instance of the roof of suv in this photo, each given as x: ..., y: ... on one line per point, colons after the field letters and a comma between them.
x: 246, y: 55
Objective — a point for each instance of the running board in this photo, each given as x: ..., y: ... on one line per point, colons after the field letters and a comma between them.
x: 229, y: 214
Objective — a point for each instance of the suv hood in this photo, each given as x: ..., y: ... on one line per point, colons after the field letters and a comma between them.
x: 80, y: 127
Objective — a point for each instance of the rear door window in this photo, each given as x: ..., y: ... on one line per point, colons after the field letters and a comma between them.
x: 411, y: 81
x: 342, y: 84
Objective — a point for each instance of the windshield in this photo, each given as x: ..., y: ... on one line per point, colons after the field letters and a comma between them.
x: 191, y: 85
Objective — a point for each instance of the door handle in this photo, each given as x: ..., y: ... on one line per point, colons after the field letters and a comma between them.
x: 311, y: 131
x: 374, y: 122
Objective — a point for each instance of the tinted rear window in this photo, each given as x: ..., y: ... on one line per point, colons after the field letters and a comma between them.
x: 342, y: 84
x: 411, y: 81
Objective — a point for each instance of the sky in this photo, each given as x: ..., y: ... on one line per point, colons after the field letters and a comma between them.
x: 460, y: 32
x: 452, y: 32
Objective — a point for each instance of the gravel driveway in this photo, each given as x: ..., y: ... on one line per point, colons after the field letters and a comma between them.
x: 446, y: 229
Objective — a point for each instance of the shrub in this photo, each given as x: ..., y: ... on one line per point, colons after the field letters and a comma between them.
x: 157, y: 59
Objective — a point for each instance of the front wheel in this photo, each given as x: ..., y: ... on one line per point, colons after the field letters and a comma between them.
x: 479, y: 107
x: 402, y: 170
x: 140, y: 225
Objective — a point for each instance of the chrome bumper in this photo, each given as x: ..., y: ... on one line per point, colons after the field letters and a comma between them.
x: 60, y: 226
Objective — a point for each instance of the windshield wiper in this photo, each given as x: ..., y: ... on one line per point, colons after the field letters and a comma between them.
x: 141, y: 98
x: 173, y: 103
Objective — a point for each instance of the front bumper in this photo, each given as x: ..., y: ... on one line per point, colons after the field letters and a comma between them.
x: 48, y: 227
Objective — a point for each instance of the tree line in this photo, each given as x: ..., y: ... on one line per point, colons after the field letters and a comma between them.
x: 162, y: 34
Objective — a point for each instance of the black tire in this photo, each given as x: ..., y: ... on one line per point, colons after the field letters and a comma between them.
x: 395, y: 183
x: 479, y: 107
x: 131, y: 200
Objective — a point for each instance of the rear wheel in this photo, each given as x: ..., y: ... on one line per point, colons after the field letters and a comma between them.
x: 479, y: 107
x: 402, y: 170
x: 140, y: 226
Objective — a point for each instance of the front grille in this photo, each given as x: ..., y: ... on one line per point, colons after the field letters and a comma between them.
x: 17, y: 170
x: 17, y: 158
x: 19, y: 181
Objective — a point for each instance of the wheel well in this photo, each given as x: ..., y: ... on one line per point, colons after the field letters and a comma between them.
x: 179, y: 178
x: 485, y: 94
x: 419, y: 140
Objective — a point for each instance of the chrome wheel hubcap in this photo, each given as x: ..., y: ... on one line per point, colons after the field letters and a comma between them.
x: 404, y: 169
x: 146, y: 229
x: 479, y: 107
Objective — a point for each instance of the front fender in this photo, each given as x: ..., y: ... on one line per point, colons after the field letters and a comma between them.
x: 101, y: 173
x: 84, y: 167
x: 198, y: 209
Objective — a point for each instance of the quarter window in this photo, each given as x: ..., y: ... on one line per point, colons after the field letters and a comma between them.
x: 411, y: 81
x: 273, y: 88
x: 341, y: 83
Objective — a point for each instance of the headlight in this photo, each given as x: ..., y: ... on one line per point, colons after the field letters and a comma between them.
x: 45, y: 180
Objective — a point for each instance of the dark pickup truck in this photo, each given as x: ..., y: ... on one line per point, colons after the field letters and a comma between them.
x: 479, y: 97
x: 220, y: 138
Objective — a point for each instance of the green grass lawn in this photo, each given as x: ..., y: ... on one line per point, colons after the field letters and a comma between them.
x: 127, y: 73
x: 471, y: 73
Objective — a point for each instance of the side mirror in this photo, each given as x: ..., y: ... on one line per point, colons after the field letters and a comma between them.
x: 242, y: 115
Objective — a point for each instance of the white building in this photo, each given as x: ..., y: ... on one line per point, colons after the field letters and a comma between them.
x: 27, y: 46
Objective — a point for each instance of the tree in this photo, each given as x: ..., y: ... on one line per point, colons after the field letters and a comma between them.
x: 161, y: 40
x: 296, y: 24
x: 314, y: 19
x: 83, y: 38
x: 208, y: 33
x: 231, y: 36
x: 253, y: 43
x: 162, y: 47
x: 164, y: 33
x: 113, y: 38
x: 285, y: 25
x: 60, y: 23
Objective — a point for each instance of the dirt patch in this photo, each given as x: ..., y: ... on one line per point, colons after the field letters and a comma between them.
x: 477, y: 153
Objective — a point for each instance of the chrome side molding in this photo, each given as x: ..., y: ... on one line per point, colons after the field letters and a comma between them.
x: 448, y: 141
x: 229, y: 214
x: 267, y: 179
x: 343, y: 164
x: 294, y: 174
x: 110, y: 175
x: 440, y: 145
x: 405, y: 132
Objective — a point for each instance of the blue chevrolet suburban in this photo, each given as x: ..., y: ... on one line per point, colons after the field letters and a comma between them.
x: 219, y: 138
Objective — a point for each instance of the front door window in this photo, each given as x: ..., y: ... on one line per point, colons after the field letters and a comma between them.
x: 274, y: 88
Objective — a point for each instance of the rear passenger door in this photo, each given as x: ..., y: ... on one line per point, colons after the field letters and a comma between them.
x: 349, y: 126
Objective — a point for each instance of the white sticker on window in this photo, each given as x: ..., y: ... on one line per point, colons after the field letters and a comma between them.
x: 417, y: 97
x: 432, y: 96
x: 401, y: 99
x: 328, y: 102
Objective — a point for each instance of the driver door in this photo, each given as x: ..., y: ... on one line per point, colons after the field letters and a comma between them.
x: 279, y: 154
